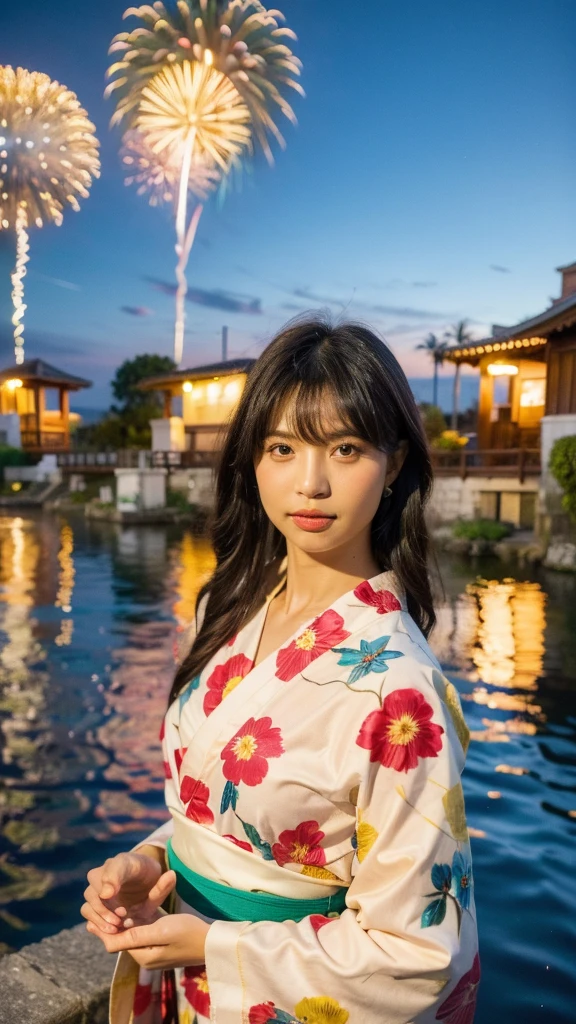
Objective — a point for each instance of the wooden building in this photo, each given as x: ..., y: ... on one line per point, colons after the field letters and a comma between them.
x: 198, y: 403
x: 39, y: 395
x: 527, y: 373
x: 527, y: 399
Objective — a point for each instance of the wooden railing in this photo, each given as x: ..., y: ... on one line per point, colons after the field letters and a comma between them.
x: 47, y: 441
x: 514, y: 462
x: 86, y: 461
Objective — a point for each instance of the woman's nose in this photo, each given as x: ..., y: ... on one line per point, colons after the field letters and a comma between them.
x: 312, y: 479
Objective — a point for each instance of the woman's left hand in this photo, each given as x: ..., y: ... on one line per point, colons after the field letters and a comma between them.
x: 173, y: 940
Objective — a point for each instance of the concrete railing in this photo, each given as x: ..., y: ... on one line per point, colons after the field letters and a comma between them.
x: 62, y: 980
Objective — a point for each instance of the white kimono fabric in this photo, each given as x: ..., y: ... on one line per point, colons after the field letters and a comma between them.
x: 335, y: 762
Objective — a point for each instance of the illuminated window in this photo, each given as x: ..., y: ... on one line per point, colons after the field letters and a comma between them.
x: 533, y: 393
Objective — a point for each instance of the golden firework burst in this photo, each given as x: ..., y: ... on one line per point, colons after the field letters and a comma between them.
x: 48, y: 157
x: 193, y: 105
x: 48, y: 149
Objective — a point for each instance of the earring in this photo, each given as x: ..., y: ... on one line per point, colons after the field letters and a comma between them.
x: 387, y: 492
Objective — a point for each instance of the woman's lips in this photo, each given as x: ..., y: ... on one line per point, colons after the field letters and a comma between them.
x: 312, y: 522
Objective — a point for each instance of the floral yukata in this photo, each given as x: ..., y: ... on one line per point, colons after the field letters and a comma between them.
x: 335, y: 762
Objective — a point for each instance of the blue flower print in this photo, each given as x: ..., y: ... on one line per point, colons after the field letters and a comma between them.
x: 461, y: 887
x: 451, y: 883
x: 188, y: 691
x: 371, y: 656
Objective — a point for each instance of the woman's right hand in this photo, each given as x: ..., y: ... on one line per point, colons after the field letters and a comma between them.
x: 127, y: 888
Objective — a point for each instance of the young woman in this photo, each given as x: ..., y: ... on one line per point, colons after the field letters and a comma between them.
x: 317, y: 846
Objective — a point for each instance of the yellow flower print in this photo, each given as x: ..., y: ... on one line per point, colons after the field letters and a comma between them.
x: 315, y: 872
x: 321, y: 1010
x: 452, y: 702
x: 184, y: 1016
x: 366, y: 836
x: 453, y: 801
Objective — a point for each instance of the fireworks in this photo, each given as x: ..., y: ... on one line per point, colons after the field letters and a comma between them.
x: 192, y: 105
x: 201, y: 80
x: 48, y: 157
x: 47, y: 145
x: 157, y: 175
x: 241, y: 39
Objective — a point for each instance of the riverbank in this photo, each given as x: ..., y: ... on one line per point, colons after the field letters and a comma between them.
x: 64, y: 979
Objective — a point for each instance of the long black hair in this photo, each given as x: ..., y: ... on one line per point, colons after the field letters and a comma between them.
x: 310, y: 358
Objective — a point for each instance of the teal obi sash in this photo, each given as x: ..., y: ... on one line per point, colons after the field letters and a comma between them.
x: 222, y: 903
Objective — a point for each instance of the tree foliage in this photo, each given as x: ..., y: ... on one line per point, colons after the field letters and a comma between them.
x: 127, y: 424
x: 131, y: 373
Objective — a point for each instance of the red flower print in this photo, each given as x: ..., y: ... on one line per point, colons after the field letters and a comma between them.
x: 325, y: 632
x: 195, y: 984
x: 239, y: 842
x: 232, y: 640
x: 382, y: 600
x: 142, y: 999
x: 162, y: 732
x: 262, y: 1013
x: 245, y: 756
x: 401, y: 731
x: 460, y: 1006
x: 223, y: 679
x: 318, y: 921
x: 195, y: 793
x: 167, y: 770
x: 179, y: 757
x: 300, y: 846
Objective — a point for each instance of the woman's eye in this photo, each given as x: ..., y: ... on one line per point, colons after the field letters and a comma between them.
x: 281, y: 449
x: 348, y: 449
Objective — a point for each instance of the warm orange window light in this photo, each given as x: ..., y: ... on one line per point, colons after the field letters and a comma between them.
x: 187, y: 386
x: 13, y: 384
x: 502, y: 369
x: 533, y: 393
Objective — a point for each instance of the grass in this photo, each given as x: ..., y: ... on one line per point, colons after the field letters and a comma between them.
x: 481, y: 529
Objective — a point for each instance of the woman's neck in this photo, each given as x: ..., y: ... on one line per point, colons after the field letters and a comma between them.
x: 314, y: 583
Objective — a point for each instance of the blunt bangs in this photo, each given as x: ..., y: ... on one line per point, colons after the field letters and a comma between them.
x: 324, y: 374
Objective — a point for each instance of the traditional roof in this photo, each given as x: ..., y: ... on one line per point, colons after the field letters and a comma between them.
x: 224, y: 369
x: 530, y: 335
x: 36, y: 371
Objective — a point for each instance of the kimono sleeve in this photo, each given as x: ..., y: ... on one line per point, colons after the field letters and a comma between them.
x: 407, y: 936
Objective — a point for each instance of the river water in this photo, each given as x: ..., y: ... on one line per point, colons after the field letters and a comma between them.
x: 91, y: 616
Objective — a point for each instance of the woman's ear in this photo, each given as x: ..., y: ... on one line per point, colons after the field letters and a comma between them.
x: 395, y: 462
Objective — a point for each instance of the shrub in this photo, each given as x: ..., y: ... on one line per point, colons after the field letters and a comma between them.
x: 562, y: 465
x: 481, y: 529
x: 177, y: 500
x: 14, y: 457
x: 450, y: 440
x: 433, y: 420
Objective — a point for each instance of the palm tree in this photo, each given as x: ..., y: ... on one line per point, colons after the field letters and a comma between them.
x: 437, y: 351
x: 459, y: 335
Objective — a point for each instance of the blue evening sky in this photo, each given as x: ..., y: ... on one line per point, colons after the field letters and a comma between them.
x: 430, y: 178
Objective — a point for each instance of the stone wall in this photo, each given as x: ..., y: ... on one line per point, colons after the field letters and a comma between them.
x: 62, y: 980
x: 453, y: 498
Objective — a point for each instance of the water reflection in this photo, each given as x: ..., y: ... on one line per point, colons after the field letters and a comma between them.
x: 92, y: 618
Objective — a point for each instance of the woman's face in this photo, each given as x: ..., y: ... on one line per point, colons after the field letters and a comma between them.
x: 335, y: 486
